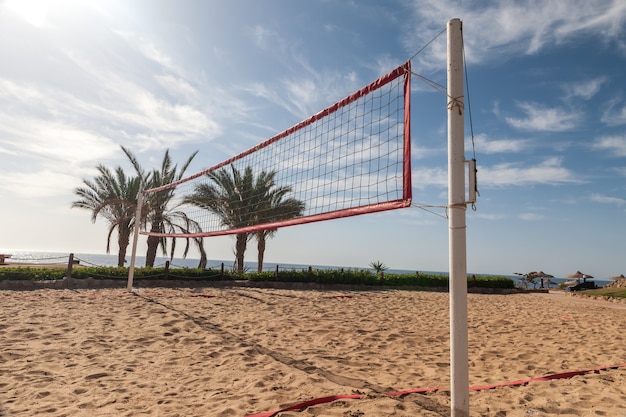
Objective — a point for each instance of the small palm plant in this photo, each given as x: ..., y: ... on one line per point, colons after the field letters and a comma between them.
x: 379, y: 267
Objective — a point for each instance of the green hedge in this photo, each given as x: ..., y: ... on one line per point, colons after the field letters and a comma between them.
x: 366, y: 277
x: 325, y: 276
x: 32, y: 273
x: 320, y: 276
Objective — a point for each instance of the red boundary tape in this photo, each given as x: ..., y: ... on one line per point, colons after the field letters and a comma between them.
x: 112, y: 294
x: 322, y: 400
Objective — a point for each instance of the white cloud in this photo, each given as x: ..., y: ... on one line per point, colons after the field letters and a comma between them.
x: 600, y: 198
x: 614, y: 115
x: 265, y: 92
x: 512, y: 27
x: 602, y: 17
x: 40, y: 183
x: 148, y: 49
x: 616, y: 145
x: 541, y: 118
x: 487, y: 216
x: 550, y: 171
x: 157, y: 114
x: 66, y: 143
x: 178, y: 87
x: 384, y: 64
x: 20, y: 93
x: 531, y: 216
x: 487, y: 146
x: 128, y: 108
x: 420, y: 152
x: 42, y: 124
x: 425, y: 177
x: 32, y: 11
x: 586, y: 89
x: 303, y: 95
x: 261, y: 36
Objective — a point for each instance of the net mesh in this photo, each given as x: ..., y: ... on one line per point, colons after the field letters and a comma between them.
x: 351, y: 158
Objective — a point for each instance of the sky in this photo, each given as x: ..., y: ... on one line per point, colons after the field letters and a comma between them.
x: 545, y: 118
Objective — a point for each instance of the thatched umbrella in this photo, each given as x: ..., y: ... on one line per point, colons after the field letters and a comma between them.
x: 530, y: 276
x: 527, y: 278
x: 549, y: 282
x: 533, y: 274
x: 545, y: 276
x: 616, y: 277
x: 578, y: 275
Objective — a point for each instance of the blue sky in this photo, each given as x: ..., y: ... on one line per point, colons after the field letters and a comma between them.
x: 547, y: 95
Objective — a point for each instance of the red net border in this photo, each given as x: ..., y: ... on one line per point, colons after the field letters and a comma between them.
x: 402, y: 71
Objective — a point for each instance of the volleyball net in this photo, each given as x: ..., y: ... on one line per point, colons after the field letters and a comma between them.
x: 352, y: 158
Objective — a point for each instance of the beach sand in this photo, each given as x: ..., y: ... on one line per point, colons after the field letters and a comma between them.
x: 246, y: 351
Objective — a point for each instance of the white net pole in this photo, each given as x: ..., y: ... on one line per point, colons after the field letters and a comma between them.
x: 133, y: 255
x: 459, y: 378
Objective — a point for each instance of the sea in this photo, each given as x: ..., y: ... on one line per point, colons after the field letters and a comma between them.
x: 91, y: 259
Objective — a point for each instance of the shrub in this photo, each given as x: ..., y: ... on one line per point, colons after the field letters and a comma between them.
x: 319, y: 276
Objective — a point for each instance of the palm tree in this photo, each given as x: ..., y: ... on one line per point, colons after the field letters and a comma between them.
x: 158, y: 214
x: 113, y: 196
x: 229, y: 197
x: 379, y: 267
x: 273, y: 206
x: 241, y: 200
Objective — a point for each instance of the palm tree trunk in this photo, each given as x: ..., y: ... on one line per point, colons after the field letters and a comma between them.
x: 153, y: 244
x: 240, y: 250
x: 123, y: 240
x: 203, y: 257
x: 260, y: 237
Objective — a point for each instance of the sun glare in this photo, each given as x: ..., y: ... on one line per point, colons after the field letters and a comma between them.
x: 39, y: 12
x: 33, y: 11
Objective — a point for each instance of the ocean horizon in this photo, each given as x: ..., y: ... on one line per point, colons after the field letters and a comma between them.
x: 92, y: 259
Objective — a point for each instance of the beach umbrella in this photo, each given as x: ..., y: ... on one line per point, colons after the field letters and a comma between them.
x: 534, y: 274
x: 545, y: 278
x: 549, y: 282
x: 616, y: 277
x: 530, y: 276
x: 579, y: 275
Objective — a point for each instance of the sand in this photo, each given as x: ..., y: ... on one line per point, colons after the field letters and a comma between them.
x: 247, y: 351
